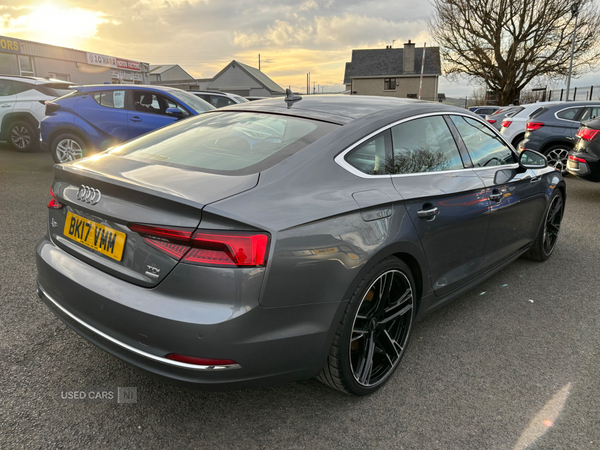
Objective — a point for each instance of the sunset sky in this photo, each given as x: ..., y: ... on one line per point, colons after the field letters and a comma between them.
x: 293, y: 37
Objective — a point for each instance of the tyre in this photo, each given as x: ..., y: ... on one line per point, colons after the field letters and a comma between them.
x: 22, y: 136
x: 557, y: 156
x: 517, y: 141
x: 545, y: 241
x: 372, y: 336
x: 67, y: 147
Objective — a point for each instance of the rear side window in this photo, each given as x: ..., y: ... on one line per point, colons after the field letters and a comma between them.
x: 22, y: 87
x: 235, y: 143
x: 6, y: 88
x: 537, y: 112
x: 370, y: 156
x: 484, y: 147
x: 424, y: 145
x: 110, y: 99
x: 568, y: 114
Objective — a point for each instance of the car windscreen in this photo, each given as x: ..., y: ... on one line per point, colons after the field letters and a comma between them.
x: 231, y: 143
x: 192, y: 101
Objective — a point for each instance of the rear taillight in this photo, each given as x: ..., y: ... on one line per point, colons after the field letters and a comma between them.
x: 54, y: 204
x: 532, y: 126
x: 207, y: 247
x: 575, y: 158
x: 228, y: 249
x: 491, y: 120
x: 200, y: 361
x: 587, y: 134
x: 506, y: 123
x: 51, y: 107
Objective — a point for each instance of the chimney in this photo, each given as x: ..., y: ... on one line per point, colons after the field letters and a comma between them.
x: 409, y: 57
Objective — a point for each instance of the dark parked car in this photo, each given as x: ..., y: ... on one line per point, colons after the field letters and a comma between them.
x: 496, y: 118
x: 584, y: 159
x: 284, y: 240
x: 551, y: 131
x: 94, y: 118
x: 483, y: 111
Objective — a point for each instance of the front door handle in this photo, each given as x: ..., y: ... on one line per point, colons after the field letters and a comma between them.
x: 535, y: 179
x: 135, y: 119
x: 428, y: 213
x: 496, y: 195
x: 6, y: 106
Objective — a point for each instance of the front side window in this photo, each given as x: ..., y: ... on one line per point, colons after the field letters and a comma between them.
x: 227, y: 142
x: 110, y: 99
x: 485, y: 148
x: 590, y: 113
x: 26, y: 66
x: 568, y: 114
x: 389, y: 84
x: 424, y: 145
x: 370, y: 157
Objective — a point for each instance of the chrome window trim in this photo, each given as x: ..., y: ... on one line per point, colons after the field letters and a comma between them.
x: 341, y: 161
x: 130, y: 348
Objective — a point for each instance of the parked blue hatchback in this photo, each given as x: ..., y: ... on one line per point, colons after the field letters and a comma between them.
x: 95, y: 118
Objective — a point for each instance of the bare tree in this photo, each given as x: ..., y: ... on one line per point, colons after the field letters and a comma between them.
x: 508, y: 43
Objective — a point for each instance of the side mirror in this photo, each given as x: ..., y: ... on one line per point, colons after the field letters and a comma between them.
x: 175, y: 112
x: 528, y: 159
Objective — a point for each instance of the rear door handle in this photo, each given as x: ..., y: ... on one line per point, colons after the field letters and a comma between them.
x: 535, y: 179
x: 135, y: 119
x: 427, y: 213
x: 6, y: 106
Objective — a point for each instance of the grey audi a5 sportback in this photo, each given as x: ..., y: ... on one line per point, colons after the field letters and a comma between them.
x: 289, y: 239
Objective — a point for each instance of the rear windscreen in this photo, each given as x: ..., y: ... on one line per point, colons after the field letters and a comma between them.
x: 226, y: 142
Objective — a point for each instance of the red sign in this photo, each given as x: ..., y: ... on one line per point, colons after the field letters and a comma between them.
x: 128, y: 65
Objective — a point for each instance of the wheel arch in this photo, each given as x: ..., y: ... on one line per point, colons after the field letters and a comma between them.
x: 518, y: 138
x: 407, y: 252
x: 554, y: 142
x: 68, y: 129
x: 14, y: 116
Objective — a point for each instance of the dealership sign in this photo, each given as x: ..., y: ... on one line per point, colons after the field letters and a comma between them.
x: 9, y: 45
x: 110, y: 61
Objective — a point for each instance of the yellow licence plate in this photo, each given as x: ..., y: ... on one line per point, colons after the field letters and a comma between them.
x: 107, y: 241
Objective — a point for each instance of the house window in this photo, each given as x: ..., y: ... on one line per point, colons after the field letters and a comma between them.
x: 26, y: 66
x: 389, y: 84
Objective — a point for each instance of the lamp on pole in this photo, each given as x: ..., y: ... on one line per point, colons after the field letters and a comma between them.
x: 575, y: 11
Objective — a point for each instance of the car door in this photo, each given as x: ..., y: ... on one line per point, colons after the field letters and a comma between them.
x: 8, y: 99
x: 516, y: 196
x: 105, y: 110
x: 148, y: 112
x: 446, y: 201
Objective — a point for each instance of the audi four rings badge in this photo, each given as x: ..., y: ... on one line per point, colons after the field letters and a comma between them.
x: 89, y: 195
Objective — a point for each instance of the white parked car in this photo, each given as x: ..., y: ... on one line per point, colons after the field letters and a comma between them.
x: 513, y: 128
x: 22, y: 107
x: 219, y: 99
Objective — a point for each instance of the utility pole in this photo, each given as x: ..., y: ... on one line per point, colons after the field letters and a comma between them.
x: 575, y: 11
x: 422, y: 69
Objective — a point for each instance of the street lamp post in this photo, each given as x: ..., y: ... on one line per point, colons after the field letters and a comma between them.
x: 575, y: 11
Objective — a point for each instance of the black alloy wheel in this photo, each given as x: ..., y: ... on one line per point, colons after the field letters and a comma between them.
x: 544, y: 243
x: 552, y: 225
x: 374, y: 332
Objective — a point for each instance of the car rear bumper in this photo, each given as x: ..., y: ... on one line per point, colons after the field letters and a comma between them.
x: 268, y: 344
x: 588, y: 170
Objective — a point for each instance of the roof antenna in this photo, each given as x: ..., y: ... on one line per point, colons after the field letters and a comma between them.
x: 290, y: 98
